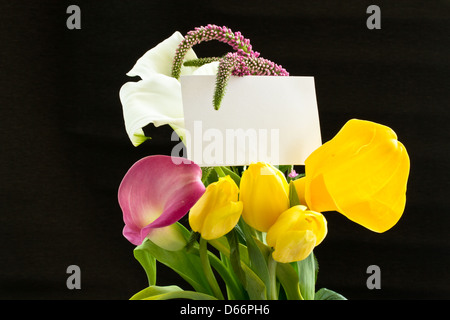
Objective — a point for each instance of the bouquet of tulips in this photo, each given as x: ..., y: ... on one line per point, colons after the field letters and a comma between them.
x: 251, y: 230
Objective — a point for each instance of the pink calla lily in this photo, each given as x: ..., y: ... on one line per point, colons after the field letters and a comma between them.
x: 156, y: 192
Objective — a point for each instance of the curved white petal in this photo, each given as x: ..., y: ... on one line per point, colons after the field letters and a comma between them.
x: 157, y: 97
x: 155, y: 100
x: 160, y: 59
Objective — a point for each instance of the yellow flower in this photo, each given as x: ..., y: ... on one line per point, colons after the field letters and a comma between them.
x: 362, y: 173
x: 218, y: 210
x: 295, y: 234
x: 265, y: 194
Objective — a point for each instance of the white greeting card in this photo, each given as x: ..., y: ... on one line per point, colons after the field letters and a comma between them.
x: 261, y: 118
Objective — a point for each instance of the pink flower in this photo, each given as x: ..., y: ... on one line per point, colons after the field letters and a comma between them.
x: 293, y: 174
x: 155, y: 193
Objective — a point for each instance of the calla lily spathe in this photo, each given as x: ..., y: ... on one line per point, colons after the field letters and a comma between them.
x: 218, y: 210
x: 296, y: 233
x: 361, y: 173
x: 264, y: 192
x: 154, y: 194
x: 157, y: 97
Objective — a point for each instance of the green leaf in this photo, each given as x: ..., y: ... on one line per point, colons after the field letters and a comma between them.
x: 258, y: 260
x: 307, y: 273
x: 192, y: 241
x: 326, y: 294
x: 219, y: 172
x: 285, y: 168
x: 209, y: 274
x: 169, y: 292
x: 148, y: 262
x: 235, y: 290
x: 240, y: 233
x: 293, y: 195
x: 255, y: 288
x: 235, y: 257
x: 186, y: 264
x: 207, y: 175
x: 300, y: 175
x: 233, y: 175
x: 288, y: 278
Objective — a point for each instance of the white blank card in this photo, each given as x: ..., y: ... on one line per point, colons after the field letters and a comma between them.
x: 261, y: 118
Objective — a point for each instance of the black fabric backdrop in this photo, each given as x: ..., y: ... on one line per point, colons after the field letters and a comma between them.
x: 64, y: 149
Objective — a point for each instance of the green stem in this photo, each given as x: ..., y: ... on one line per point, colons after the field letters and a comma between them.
x: 208, y: 271
x: 232, y: 174
x: 288, y: 278
x: 200, y: 61
x: 220, y: 266
x: 272, y: 267
x: 219, y: 172
x: 253, y: 285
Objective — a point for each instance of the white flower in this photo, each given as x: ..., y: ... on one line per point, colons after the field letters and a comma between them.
x: 157, y: 97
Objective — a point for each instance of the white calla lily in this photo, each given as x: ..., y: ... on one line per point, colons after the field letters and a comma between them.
x: 157, y: 97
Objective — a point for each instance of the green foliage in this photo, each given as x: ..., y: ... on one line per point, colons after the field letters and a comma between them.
x: 169, y: 292
x: 186, y: 264
x: 293, y: 195
x: 326, y: 294
x: 245, y: 266
x: 307, y: 273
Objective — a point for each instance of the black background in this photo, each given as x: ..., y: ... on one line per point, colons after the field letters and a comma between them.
x: 64, y: 149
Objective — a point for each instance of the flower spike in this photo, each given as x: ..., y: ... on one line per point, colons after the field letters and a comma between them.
x: 226, y: 67
x: 243, y: 62
x: 200, y: 61
x: 208, y: 33
x: 237, y: 65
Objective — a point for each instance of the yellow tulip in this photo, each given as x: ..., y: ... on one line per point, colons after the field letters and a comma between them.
x: 296, y: 233
x: 265, y: 195
x: 361, y: 173
x: 218, y: 210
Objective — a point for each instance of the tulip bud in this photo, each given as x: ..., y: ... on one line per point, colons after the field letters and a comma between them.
x: 265, y: 195
x: 361, y: 173
x: 218, y: 210
x: 296, y: 233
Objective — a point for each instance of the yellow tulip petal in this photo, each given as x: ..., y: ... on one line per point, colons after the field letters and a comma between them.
x: 265, y: 194
x: 295, y: 234
x: 222, y: 220
x: 294, y: 246
x: 200, y: 210
x: 285, y: 222
x: 317, y: 224
x: 218, y: 210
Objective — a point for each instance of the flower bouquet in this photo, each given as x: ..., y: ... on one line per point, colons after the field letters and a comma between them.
x: 251, y: 229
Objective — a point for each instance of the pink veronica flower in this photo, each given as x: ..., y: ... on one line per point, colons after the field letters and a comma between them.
x: 155, y: 193
x: 293, y: 174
